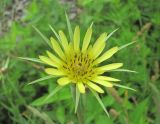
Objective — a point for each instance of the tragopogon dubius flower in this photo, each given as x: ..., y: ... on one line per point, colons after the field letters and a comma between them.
x: 80, y: 64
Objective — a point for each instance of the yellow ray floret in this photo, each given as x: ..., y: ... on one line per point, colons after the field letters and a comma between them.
x: 95, y: 87
x: 110, y: 66
x: 102, y: 82
x: 63, y: 81
x: 54, y: 58
x: 57, y: 48
x: 107, y: 78
x: 55, y: 72
x: 76, y: 38
x: 48, y: 61
x: 64, y: 41
x: 106, y: 55
x: 99, y: 45
x: 87, y: 39
x: 81, y: 87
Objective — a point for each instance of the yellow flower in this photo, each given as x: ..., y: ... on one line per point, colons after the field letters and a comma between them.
x: 79, y: 62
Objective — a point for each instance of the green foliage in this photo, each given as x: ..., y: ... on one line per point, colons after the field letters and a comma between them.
x: 29, y: 104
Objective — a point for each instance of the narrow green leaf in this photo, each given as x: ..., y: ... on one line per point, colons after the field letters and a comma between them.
x: 91, y: 24
x: 155, y: 89
x: 100, y: 101
x: 111, y: 34
x: 124, y: 70
x: 77, y: 99
x: 126, y: 45
x: 53, y: 93
x: 30, y: 59
x: 44, y: 37
x: 54, y: 31
x: 6, y: 107
x: 41, y: 115
x: 122, y: 86
x: 40, y: 79
x: 6, y: 63
x: 69, y: 27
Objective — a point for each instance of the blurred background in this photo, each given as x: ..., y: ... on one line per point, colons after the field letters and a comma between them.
x: 137, y: 20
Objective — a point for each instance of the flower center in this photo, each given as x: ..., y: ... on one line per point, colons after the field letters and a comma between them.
x: 79, y: 67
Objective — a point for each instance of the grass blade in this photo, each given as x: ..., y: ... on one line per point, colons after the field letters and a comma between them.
x: 91, y: 24
x: 69, y: 27
x: 77, y: 99
x: 52, y: 93
x: 100, y: 101
x: 6, y: 63
x: 155, y: 90
x: 124, y: 70
x: 41, y: 115
x: 40, y: 79
x: 111, y: 34
x: 30, y: 59
x: 122, y: 86
x: 44, y: 37
x: 54, y: 31
x: 126, y: 45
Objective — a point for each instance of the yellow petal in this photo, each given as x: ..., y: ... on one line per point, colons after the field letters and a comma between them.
x: 81, y: 87
x: 63, y: 81
x: 95, y: 87
x: 106, y: 55
x: 57, y: 48
x: 110, y: 66
x: 102, y: 82
x: 47, y: 61
x: 99, y: 45
x: 53, y: 71
x: 76, y: 38
x: 107, y: 78
x: 54, y: 58
x: 99, y: 51
x: 64, y: 40
x: 87, y: 39
x: 105, y: 83
x: 71, y: 49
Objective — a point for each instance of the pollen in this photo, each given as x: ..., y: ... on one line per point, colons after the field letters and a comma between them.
x: 79, y: 67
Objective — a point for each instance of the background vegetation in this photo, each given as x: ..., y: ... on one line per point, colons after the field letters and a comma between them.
x: 137, y: 20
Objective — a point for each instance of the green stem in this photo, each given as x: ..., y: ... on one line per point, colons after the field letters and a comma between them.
x: 80, y: 111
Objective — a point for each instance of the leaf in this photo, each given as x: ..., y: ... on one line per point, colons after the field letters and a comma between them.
x: 77, y: 99
x: 41, y: 115
x: 53, y: 93
x: 40, y: 79
x: 124, y: 70
x: 101, y: 119
x: 155, y: 90
x: 91, y: 24
x: 6, y: 63
x: 122, y: 86
x: 126, y: 45
x: 100, y: 101
x: 156, y: 99
x: 111, y: 34
x: 60, y: 113
x: 139, y: 113
x: 64, y: 94
x: 54, y: 31
x: 30, y: 59
x: 69, y: 27
x: 44, y: 37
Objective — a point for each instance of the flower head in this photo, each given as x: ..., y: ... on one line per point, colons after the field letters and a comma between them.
x: 79, y: 62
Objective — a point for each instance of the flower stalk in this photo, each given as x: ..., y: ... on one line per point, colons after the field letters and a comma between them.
x: 78, y: 104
